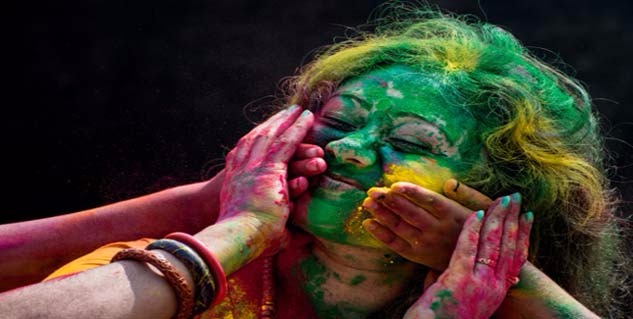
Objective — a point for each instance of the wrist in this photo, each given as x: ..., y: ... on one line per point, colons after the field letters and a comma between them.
x: 235, y: 241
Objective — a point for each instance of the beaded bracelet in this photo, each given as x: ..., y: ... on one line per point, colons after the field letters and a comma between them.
x: 176, y: 280
x: 205, y: 286
x: 214, y: 264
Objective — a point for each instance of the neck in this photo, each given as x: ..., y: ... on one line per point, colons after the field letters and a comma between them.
x: 349, y: 281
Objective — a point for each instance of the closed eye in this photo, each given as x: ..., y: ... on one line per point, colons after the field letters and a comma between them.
x: 408, y: 146
x: 338, y: 124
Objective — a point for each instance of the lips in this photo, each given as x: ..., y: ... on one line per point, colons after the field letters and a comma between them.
x: 335, y: 181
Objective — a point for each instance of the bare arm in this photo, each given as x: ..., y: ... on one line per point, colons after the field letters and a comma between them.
x: 253, y: 213
x: 538, y: 296
x: 31, y: 250
x: 125, y: 289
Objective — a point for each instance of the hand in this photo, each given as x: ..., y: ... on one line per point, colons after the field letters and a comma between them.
x: 255, y: 184
x: 419, y: 224
x: 487, y: 259
x: 307, y: 162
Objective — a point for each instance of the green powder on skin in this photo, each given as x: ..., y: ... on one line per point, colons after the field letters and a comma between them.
x: 357, y: 280
x: 316, y: 275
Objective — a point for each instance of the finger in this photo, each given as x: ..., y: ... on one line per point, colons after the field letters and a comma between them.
x: 255, y: 141
x: 403, y: 207
x: 297, y: 186
x: 281, y: 121
x: 436, y: 204
x: 286, y: 144
x: 267, y: 133
x: 390, y: 220
x: 509, y: 238
x: 307, y: 167
x: 382, y: 214
x: 386, y: 236
x: 523, y: 242
x: 308, y: 151
x: 491, y: 233
x: 463, y: 258
x: 466, y: 195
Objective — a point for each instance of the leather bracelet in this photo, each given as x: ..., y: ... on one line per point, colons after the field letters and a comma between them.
x: 202, y: 277
x: 176, y: 280
x: 214, y: 264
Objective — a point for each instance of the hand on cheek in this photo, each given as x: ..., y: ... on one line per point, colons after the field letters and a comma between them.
x: 485, y: 264
x: 418, y: 224
x: 255, y: 186
x: 307, y: 162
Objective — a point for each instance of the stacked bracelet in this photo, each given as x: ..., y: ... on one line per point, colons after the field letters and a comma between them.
x: 214, y: 265
x: 205, y: 286
x: 171, y: 274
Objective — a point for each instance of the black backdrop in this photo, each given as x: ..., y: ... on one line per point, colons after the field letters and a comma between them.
x: 105, y: 100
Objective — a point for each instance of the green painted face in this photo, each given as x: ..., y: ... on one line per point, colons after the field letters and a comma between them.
x: 388, y: 125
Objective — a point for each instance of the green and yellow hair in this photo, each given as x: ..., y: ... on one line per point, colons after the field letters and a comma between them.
x: 539, y: 133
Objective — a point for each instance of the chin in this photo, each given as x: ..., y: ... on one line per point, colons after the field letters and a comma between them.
x: 331, y: 211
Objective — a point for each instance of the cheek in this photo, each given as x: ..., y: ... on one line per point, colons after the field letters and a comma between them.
x: 423, y: 172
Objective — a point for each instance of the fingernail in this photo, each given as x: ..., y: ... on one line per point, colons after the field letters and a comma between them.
x: 456, y: 187
x: 313, y: 166
x: 375, y: 193
x: 529, y: 216
x: 292, y: 107
x: 516, y: 197
x: 370, y: 225
x: 369, y: 205
x: 313, y: 152
x: 480, y: 214
x: 305, y: 113
x: 505, y: 201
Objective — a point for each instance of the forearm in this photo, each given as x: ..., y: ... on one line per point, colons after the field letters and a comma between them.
x: 129, y: 289
x: 125, y: 289
x: 537, y: 296
x: 31, y: 250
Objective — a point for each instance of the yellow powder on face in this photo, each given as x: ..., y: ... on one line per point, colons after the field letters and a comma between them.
x: 358, y: 234
x: 425, y: 174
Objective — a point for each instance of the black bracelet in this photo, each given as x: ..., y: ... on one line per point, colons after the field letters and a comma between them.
x: 202, y: 277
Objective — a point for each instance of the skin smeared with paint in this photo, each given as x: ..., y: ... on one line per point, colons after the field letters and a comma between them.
x: 489, y: 253
x: 379, y: 128
x: 255, y: 197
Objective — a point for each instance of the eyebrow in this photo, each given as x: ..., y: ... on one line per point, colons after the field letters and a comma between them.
x: 402, y: 114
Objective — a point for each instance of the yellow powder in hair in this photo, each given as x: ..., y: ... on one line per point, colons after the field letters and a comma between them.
x: 459, y: 58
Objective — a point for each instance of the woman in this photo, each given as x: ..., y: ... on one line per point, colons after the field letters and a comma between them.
x: 398, y: 115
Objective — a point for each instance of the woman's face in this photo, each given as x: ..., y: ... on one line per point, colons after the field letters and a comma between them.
x: 388, y: 125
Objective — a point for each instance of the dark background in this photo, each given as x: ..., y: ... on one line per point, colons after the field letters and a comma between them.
x: 106, y: 100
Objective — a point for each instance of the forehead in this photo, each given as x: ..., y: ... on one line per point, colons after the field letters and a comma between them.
x: 401, y: 90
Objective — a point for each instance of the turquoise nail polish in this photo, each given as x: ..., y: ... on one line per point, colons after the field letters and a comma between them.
x: 305, y: 113
x: 505, y: 201
x: 516, y: 197
x: 480, y: 214
x: 529, y: 216
x: 293, y: 107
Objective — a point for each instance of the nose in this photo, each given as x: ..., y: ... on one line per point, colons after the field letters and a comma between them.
x: 355, y: 149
